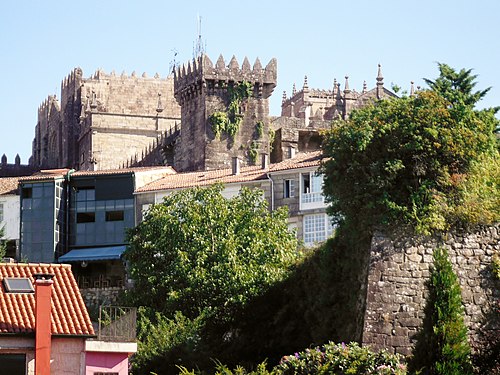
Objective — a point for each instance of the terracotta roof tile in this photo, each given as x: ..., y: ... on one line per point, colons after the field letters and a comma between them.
x: 247, y: 174
x: 8, y: 185
x: 17, y: 310
x: 52, y: 174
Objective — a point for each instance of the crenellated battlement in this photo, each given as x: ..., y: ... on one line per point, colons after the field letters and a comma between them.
x: 45, y: 107
x: 191, y: 78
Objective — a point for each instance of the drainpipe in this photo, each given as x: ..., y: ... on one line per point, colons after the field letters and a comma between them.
x: 43, y: 328
x: 272, y: 190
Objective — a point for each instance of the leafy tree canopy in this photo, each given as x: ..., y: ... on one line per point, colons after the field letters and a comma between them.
x: 401, y: 161
x: 198, y: 252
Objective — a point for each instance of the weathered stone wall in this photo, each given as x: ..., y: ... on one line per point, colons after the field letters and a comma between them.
x: 95, y: 297
x: 397, y: 292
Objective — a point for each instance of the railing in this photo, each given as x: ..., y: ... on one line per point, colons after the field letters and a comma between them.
x: 117, y: 323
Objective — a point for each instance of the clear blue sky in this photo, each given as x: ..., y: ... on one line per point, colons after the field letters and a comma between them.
x: 42, y: 41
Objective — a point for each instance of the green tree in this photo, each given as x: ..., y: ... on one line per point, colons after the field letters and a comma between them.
x: 398, y: 161
x: 200, y: 252
x: 442, y: 347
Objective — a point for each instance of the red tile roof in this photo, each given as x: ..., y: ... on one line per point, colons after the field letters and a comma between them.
x: 52, y: 174
x: 17, y: 310
x: 247, y: 174
x: 8, y: 185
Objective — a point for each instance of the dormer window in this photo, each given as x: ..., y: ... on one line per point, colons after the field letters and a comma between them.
x: 18, y: 285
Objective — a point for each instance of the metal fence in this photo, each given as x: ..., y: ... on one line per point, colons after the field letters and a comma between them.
x: 117, y: 323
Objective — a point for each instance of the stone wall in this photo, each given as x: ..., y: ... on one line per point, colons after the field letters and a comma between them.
x: 396, y: 293
x: 95, y: 297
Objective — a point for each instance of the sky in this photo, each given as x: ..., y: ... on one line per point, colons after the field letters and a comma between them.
x: 41, y: 42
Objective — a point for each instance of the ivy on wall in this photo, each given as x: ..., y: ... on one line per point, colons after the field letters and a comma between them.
x: 229, y: 121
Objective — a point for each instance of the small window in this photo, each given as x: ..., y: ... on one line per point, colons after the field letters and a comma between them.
x: 27, y: 192
x: 13, y: 364
x: 1, y: 211
x: 18, y: 285
x: 114, y: 216
x: 288, y: 188
x: 85, y: 217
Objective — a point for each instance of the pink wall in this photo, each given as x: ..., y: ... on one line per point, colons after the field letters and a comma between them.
x: 106, y: 362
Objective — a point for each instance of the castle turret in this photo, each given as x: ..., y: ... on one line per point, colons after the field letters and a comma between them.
x: 224, y: 112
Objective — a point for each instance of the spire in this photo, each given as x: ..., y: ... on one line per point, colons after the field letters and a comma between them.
x: 305, y: 86
x: 346, y: 88
x: 294, y: 90
x: 245, y: 67
x: 283, y: 98
x: 380, y: 77
x: 364, y: 87
x: 380, y: 82
x: 412, y: 89
x: 159, y: 106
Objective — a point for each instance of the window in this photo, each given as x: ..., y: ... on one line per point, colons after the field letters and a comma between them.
x: 13, y: 364
x: 317, y: 228
x: 18, y: 285
x: 85, y: 217
x: 312, y: 187
x: 27, y: 193
x: 1, y: 211
x: 114, y: 215
x: 288, y: 188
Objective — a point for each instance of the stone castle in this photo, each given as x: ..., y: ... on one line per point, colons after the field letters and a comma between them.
x: 111, y: 121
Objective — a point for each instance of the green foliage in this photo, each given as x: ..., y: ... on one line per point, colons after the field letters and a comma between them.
x: 222, y: 369
x: 230, y: 120
x: 219, y: 122
x: 329, y: 359
x: 200, y: 252
x: 272, y: 136
x: 395, y: 160
x: 478, y: 191
x: 253, y: 152
x: 341, y: 359
x: 259, y: 129
x: 457, y: 87
x: 3, y: 244
x: 495, y: 265
x: 162, y: 341
x: 442, y: 348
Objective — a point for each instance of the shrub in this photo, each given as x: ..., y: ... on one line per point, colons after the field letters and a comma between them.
x: 341, y: 359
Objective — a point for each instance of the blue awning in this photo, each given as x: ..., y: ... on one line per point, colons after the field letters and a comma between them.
x: 93, y: 254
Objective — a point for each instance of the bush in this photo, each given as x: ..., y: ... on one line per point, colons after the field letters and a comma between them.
x: 341, y: 359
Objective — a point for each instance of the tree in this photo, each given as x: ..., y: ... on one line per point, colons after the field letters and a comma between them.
x: 442, y: 348
x: 399, y: 161
x: 198, y: 252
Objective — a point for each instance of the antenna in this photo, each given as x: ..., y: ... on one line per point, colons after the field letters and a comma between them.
x: 198, y: 49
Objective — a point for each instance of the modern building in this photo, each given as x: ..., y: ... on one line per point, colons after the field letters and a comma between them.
x: 81, y: 217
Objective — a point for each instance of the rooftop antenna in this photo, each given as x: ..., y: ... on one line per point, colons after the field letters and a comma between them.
x: 199, y: 48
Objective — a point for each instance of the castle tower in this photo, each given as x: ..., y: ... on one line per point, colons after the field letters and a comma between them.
x: 224, y: 112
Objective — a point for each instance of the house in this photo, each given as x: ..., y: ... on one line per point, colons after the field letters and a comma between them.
x: 293, y: 183
x: 9, y: 214
x: 45, y: 327
x: 81, y: 217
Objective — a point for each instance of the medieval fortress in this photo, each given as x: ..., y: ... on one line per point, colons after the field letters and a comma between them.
x: 109, y: 121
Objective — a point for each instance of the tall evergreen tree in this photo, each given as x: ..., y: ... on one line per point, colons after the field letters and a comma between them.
x: 443, y: 348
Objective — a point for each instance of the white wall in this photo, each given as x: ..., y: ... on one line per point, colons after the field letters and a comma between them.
x: 11, y: 216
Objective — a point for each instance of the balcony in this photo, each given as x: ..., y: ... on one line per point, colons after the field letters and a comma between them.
x: 117, y: 324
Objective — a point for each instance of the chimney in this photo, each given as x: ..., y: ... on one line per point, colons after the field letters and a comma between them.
x: 235, y: 165
x: 265, y: 161
x: 43, y: 294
